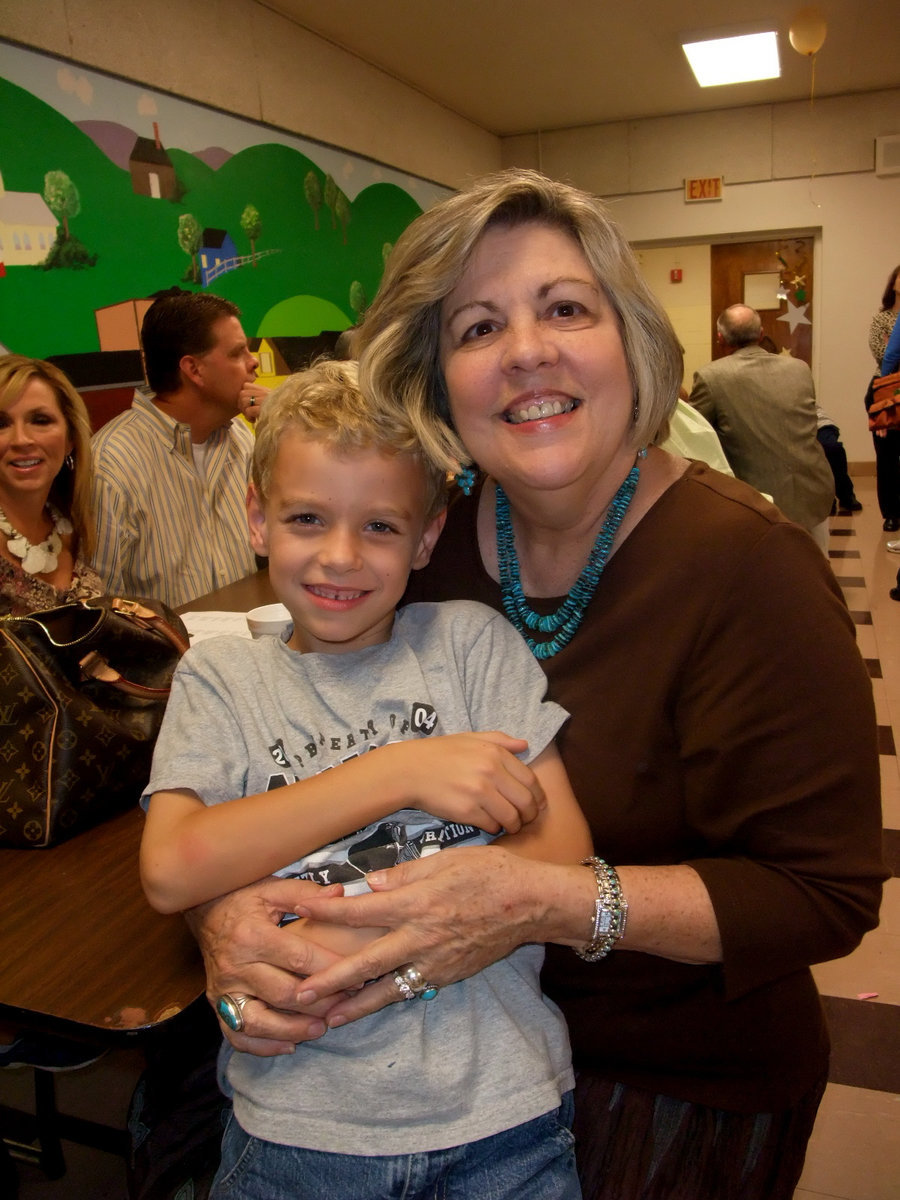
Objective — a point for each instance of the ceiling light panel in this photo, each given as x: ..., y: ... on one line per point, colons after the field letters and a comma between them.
x: 734, y: 59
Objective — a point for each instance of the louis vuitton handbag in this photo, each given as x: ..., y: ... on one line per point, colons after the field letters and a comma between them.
x: 83, y: 688
x: 884, y: 410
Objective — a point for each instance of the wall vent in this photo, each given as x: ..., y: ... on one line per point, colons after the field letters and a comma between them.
x: 887, y: 155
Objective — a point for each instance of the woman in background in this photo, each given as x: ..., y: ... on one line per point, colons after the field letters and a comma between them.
x: 46, y: 534
x: 887, y: 441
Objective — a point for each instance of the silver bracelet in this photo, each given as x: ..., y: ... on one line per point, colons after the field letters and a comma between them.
x: 610, y: 911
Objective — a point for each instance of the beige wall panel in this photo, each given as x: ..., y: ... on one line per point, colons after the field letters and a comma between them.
x: 520, y: 151
x: 43, y: 25
x: 240, y: 57
x: 736, y: 144
x: 311, y: 86
x: 832, y: 135
x: 596, y: 159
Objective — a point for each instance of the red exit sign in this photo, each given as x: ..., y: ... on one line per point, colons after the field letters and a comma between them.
x: 709, y: 188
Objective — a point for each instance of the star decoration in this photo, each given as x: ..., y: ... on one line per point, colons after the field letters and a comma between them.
x: 795, y: 316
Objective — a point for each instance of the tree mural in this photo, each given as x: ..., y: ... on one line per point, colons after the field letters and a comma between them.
x: 331, y: 195
x: 251, y: 224
x: 190, y: 236
x: 313, y: 190
x: 358, y: 300
x: 61, y: 197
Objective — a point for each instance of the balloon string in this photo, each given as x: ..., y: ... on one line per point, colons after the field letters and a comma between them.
x: 815, y: 160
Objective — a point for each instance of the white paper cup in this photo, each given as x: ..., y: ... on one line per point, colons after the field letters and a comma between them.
x: 269, y: 620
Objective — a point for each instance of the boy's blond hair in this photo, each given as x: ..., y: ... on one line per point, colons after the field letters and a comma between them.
x: 325, y: 403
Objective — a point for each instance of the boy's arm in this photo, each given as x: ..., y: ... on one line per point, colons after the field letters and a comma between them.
x: 191, y: 852
x: 560, y: 832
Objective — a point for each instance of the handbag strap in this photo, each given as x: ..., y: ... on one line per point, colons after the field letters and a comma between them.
x: 95, y: 666
x: 140, y: 614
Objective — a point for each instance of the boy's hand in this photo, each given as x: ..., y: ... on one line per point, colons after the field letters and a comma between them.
x: 472, y: 778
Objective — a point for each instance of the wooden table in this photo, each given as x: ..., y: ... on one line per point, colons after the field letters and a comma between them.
x: 82, y: 951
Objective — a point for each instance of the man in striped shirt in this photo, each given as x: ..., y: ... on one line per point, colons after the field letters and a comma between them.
x: 170, y: 473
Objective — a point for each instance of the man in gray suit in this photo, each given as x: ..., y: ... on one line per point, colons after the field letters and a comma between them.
x: 763, y: 407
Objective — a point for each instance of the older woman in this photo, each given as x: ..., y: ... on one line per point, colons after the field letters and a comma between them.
x: 46, y: 534
x: 732, y: 791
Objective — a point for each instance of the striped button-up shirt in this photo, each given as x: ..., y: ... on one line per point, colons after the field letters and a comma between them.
x: 164, y: 529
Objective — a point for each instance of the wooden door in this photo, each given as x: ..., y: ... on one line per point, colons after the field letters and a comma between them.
x: 778, y: 275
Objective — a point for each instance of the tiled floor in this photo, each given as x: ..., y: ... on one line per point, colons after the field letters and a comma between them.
x: 855, y: 1149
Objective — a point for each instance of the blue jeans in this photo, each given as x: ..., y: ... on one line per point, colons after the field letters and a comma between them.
x: 534, y: 1161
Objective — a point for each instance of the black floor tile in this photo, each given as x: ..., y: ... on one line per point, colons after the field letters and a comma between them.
x: 891, y: 845
x: 865, y: 1043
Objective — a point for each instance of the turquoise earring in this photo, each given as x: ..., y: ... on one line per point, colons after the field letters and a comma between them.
x: 465, y: 479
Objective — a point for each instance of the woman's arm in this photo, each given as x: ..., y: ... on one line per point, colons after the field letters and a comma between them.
x: 191, y: 852
x: 454, y: 914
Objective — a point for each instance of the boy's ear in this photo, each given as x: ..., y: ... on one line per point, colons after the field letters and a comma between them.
x: 430, y: 535
x: 256, y: 521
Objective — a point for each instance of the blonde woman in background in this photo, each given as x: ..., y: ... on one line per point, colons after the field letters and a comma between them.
x: 46, y: 531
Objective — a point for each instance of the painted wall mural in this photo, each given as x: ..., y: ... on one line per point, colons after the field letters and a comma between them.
x: 111, y: 192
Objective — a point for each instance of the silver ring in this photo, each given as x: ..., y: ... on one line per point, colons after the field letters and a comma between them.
x: 231, y: 1009
x: 403, y: 988
x: 415, y: 982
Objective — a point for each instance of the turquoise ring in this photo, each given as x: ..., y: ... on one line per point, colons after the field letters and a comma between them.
x: 231, y: 1010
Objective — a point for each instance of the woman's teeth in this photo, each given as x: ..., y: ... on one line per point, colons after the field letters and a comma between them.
x: 539, y: 410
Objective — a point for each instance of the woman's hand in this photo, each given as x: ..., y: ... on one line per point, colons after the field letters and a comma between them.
x: 247, y: 953
x: 449, y: 915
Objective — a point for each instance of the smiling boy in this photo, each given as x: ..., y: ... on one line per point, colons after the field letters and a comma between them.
x: 475, y: 1085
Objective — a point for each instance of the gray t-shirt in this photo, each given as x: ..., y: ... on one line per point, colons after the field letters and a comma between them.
x: 489, y: 1052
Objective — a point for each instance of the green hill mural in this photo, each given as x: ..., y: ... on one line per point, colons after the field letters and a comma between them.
x: 284, y: 241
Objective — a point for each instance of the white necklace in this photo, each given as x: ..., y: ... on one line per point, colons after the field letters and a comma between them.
x: 44, y: 557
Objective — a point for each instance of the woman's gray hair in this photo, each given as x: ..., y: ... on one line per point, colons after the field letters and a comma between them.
x: 398, y: 343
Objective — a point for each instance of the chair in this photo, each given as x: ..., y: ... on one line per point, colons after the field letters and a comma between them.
x: 37, y: 1139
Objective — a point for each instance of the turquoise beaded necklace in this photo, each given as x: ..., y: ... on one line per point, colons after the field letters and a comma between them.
x: 565, y: 621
